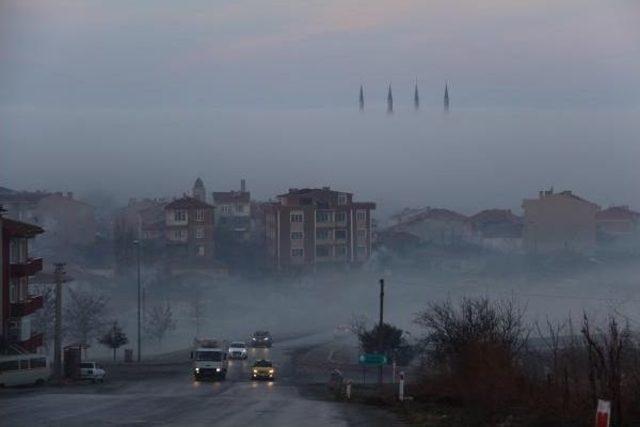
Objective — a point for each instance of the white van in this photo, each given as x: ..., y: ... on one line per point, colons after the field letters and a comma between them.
x: 24, y: 369
x: 209, y: 363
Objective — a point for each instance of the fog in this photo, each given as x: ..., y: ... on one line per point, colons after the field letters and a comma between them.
x: 466, y: 160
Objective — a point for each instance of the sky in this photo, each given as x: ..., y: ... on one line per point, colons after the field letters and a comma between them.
x: 139, y: 98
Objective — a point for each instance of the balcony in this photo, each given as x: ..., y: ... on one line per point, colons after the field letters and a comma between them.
x: 27, y: 307
x: 26, y: 268
x: 32, y: 344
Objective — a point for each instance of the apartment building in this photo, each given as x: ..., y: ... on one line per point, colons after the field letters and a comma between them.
x: 188, y: 230
x: 233, y: 212
x: 314, y: 226
x: 17, y: 303
x: 559, y: 222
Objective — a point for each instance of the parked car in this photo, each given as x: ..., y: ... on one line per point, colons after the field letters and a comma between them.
x: 91, y: 371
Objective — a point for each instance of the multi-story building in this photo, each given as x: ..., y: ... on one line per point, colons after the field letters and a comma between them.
x: 437, y: 226
x: 17, y: 304
x: 315, y: 226
x: 70, y: 223
x: 188, y: 229
x: 233, y: 211
x: 559, y: 222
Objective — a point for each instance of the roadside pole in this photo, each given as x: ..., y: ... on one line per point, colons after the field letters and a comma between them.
x: 57, y: 334
x: 380, y: 323
x: 401, y: 388
x: 137, y: 244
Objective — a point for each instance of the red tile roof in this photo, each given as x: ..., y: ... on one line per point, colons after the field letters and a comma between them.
x: 188, y: 203
x: 618, y: 213
x: 14, y: 228
x: 231, y: 197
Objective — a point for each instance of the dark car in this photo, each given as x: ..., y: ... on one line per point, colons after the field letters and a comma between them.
x: 261, y: 339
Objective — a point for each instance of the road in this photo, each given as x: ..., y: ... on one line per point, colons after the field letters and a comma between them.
x: 168, y: 395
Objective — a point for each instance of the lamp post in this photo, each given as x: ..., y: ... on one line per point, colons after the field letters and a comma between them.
x: 137, y: 245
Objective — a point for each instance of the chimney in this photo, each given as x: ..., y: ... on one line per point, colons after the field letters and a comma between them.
x: 243, y: 185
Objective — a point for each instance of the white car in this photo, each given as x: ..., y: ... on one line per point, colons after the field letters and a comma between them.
x: 237, y: 350
x: 91, y: 371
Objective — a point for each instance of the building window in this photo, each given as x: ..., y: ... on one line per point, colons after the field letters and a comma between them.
x: 341, y: 250
x: 297, y: 253
x: 323, y: 216
x: 323, y: 234
x: 361, y: 250
x: 226, y: 209
x: 322, y: 251
x: 199, y: 232
x: 361, y: 215
x: 296, y: 216
x: 201, y: 250
x: 341, y: 217
x: 341, y: 234
x: 179, y: 234
x: 362, y: 234
x: 297, y: 235
x: 240, y: 208
x: 180, y: 215
x: 13, y: 292
x: 200, y: 215
x: 342, y: 199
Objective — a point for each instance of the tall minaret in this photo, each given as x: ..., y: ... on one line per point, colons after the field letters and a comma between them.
x: 389, y: 101
x: 361, y: 100
x: 416, y: 97
x: 446, y: 97
x: 198, y: 191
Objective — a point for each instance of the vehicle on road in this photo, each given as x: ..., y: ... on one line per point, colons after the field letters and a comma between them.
x: 91, y: 371
x: 263, y: 370
x: 209, y: 363
x: 24, y: 369
x: 261, y: 339
x: 237, y: 350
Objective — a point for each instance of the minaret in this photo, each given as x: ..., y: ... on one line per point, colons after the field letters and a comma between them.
x: 198, y: 191
x: 446, y: 98
x: 416, y: 97
x: 361, y: 99
x: 389, y: 101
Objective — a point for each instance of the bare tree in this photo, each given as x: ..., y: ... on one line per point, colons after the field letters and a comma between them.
x: 159, y: 322
x: 114, y: 338
x: 84, y: 316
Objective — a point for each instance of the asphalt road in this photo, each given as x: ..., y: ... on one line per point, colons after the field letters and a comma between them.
x: 168, y: 395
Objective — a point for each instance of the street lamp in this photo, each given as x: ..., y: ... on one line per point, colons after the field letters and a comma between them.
x: 137, y: 245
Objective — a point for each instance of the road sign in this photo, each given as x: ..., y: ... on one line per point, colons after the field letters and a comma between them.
x: 372, y: 359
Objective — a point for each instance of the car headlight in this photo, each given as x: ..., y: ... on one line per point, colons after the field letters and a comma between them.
x: 197, y: 370
x: 255, y: 371
x: 271, y: 371
x: 253, y: 338
x: 217, y: 369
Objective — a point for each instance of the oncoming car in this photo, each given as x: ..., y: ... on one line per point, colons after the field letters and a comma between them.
x: 263, y: 370
x: 261, y: 339
x: 237, y: 350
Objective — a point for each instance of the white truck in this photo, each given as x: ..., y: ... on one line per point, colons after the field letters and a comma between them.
x: 209, y: 360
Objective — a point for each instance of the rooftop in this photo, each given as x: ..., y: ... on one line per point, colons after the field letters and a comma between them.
x: 187, y: 202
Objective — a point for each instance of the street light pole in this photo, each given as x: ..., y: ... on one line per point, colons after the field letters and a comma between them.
x: 137, y: 244
x: 380, y: 332
x: 57, y: 332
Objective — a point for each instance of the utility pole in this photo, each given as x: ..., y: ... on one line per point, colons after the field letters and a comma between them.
x: 57, y: 334
x: 137, y: 244
x: 380, y: 335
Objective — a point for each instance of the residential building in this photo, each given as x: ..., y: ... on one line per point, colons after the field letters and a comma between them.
x: 17, y: 304
x: 618, y: 221
x: 559, y: 222
x: 497, y: 229
x: 233, y: 212
x: 188, y: 229
x: 70, y: 223
x: 314, y: 226
x: 437, y: 226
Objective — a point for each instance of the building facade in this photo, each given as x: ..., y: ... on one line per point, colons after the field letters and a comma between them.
x: 188, y: 230
x: 559, y: 222
x: 437, y: 226
x: 17, y: 304
x: 233, y: 212
x: 311, y: 227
